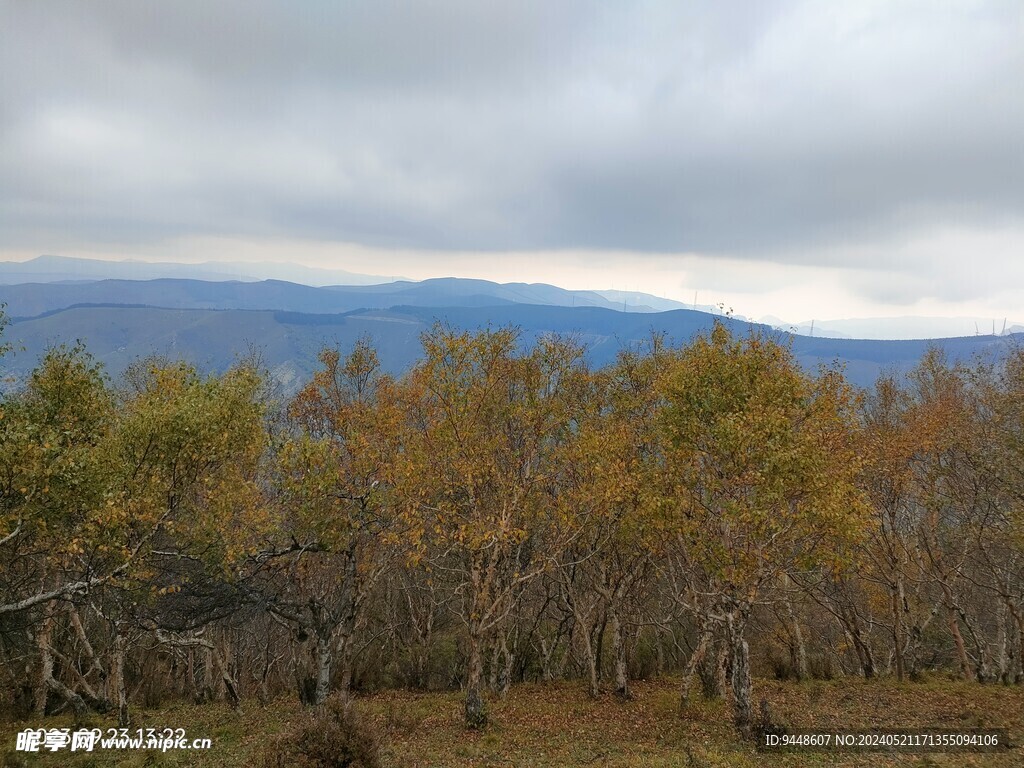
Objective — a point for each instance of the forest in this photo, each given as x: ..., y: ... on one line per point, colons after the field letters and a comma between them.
x: 504, y: 514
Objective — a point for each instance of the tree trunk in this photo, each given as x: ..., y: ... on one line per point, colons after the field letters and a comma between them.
x: 190, y: 672
x: 546, y: 652
x: 599, y: 646
x: 45, y: 671
x: 208, y: 693
x: 742, y: 688
x: 1018, y: 620
x: 591, y: 660
x: 230, y: 684
x: 322, y: 659
x: 118, y: 689
x: 476, y: 711
x: 77, y: 702
x: 798, y: 650
x: 492, y: 676
x: 563, y: 661
x: 1002, y: 656
x: 345, y: 651
x: 423, y: 626
x: 860, y: 645
x: 691, y: 667
x: 619, y: 651
x: 83, y: 638
x: 914, y: 637
x: 82, y: 696
x: 897, y: 627
x: 713, y: 669
x: 505, y: 675
x: 958, y: 641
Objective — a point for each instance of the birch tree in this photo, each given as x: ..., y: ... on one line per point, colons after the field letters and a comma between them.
x: 764, y: 478
x: 483, y: 422
x: 337, y: 522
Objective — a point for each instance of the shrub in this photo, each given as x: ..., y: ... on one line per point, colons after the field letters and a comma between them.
x: 333, y: 735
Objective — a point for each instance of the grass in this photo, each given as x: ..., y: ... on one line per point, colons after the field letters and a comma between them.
x: 559, y: 725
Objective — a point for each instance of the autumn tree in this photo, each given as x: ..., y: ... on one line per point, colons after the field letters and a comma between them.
x: 608, y: 488
x: 180, y: 507
x: 54, y: 485
x: 999, y: 550
x: 337, y: 519
x: 951, y: 491
x: 483, y: 421
x: 764, y: 478
x: 53, y: 477
x: 896, y: 437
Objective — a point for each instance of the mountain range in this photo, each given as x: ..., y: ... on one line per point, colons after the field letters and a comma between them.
x: 52, y: 269
x: 212, y: 322
x: 288, y: 341
x: 31, y: 299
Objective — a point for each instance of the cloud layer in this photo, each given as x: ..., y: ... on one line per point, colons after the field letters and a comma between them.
x: 845, y: 136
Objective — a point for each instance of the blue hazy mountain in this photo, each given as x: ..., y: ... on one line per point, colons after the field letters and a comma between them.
x: 31, y: 299
x: 51, y: 269
x: 288, y: 340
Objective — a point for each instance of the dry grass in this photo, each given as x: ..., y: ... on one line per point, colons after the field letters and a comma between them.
x: 558, y: 725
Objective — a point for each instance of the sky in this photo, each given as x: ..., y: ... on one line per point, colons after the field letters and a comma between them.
x: 795, y: 159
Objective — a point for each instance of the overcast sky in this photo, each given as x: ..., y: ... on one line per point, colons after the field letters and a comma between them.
x: 800, y: 159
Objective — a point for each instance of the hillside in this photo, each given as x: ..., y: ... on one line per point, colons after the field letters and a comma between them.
x: 289, y: 340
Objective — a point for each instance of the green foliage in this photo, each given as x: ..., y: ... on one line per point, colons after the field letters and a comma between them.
x: 484, y: 422
x: 54, y: 471
x: 189, y: 449
x: 93, y: 482
x: 762, y: 458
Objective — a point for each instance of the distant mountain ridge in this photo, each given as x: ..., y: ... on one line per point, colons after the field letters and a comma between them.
x: 211, y: 322
x: 288, y: 341
x: 69, y: 269
x: 29, y: 300
x: 912, y: 327
x: 53, y: 271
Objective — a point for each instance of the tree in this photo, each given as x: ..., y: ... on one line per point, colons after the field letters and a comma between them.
x: 608, y: 477
x: 185, y: 505
x: 483, y: 423
x: 949, y: 490
x: 54, y: 483
x: 764, y: 478
x: 999, y: 551
x: 337, y: 515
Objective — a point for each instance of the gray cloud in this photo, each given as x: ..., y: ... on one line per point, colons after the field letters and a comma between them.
x: 770, y: 130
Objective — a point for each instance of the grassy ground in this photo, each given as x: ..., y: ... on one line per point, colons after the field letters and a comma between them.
x: 558, y: 725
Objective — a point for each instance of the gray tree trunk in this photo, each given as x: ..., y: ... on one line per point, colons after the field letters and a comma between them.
x: 120, y: 692
x: 476, y: 710
x: 505, y: 675
x: 323, y: 660
x: 590, y: 657
x: 898, y: 601
x: 45, y: 667
x: 742, y: 688
x: 798, y: 649
x: 712, y: 668
x: 691, y: 667
x: 619, y: 651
